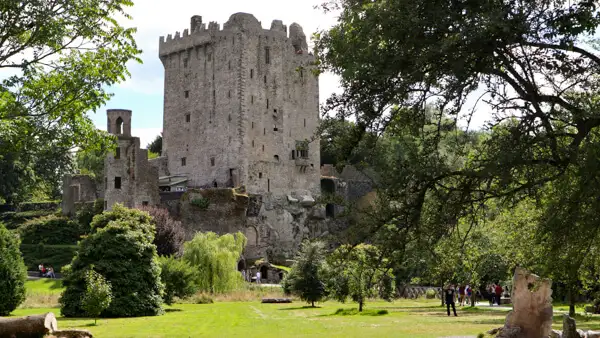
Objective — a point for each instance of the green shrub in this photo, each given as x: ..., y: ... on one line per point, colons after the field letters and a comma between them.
x: 430, y: 294
x: 13, y: 220
x: 12, y: 272
x: 203, y: 299
x: 57, y: 256
x: 180, y: 278
x: 120, y: 249
x: 98, y: 295
x: 201, y: 203
x: 50, y: 229
x: 86, y: 212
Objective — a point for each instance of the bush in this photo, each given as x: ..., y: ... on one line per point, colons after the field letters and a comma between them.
x: 215, y: 258
x: 13, y: 220
x: 306, y: 278
x: 180, y: 278
x: 170, y: 234
x: 86, y: 213
x: 97, y: 295
x: 12, y: 272
x: 120, y: 248
x: 203, y: 299
x: 50, y: 229
x: 201, y: 203
x: 57, y: 256
x: 430, y: 294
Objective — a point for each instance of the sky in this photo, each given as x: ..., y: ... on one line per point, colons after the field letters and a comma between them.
x: 143, y: 92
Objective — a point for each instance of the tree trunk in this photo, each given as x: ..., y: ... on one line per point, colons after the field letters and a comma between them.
x: 571, y: 302
x: 360, y: 306
x: 313, y: 303
x: 28, y: 327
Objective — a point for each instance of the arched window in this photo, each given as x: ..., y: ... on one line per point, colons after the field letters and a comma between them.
x: 119, y: 126
x: 276, y: 157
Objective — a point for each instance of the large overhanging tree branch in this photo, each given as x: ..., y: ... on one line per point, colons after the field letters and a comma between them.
x: 56, y: 59
x: 534, y: 60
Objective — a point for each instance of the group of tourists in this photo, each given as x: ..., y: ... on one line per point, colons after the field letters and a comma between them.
x: 464, y: 294
x: 47, y: 272
x: 248, y: 276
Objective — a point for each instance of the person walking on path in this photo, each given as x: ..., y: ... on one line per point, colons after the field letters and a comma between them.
x: 461, y: 295
x: 450, y: 294
x: 498, y: 291
x: 258, y: 277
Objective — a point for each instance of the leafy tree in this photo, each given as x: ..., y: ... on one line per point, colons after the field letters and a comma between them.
x: 63, y: 55
x: 91, y: 162
x: 97, y: 296
x: 179, y: 277
x: 120, y: 249
x: 13, y: 273
x: 359, y: 272
x: 306, y: 278
x: 215, y: 258
x: 156, y: 145
x: 170, y: 233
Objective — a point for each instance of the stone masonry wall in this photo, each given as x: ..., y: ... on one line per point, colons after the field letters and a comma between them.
x: 236, y: 102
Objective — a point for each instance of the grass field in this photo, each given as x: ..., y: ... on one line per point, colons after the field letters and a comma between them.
x: 405, y: 318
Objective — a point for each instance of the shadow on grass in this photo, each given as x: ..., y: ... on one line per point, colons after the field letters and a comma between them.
x: 307, y: 307
x: 55, y: 283
x: 173, y: 310
x: 354, y: 312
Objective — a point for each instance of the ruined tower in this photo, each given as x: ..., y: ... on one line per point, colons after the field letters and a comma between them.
x: 128, y: 178
x: 241, y: 106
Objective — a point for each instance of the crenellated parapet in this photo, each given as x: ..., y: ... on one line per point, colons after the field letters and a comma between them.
x: 199, y: 34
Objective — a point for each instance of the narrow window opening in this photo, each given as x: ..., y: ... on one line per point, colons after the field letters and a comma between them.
x: 209, y: 57
x: 213, y: 77
x: 252, y: 143
x: 293, y: 154
x: 106, y: 183
x: 119, y: 126
x: 275, y: 128
x: 251, y: 73
x: 304, y: 123
x: 263, y: 147
x: 214, y: 95
x: 229, y: 118
x: 118, y: 153
x: 229, y: 64
x: 252, y: 99
x: 229, y: 94
x: 117, y: 183
x: 212, y: 161
x: 259, y: 175
x: 185, y: 63
x: 276, y: 157
x: 105, y: 205
x: 215, y: 184
x: 264, y: 131
x: 268, y: 187
x: 145, y: 203
x: 267, y: 103
x: 183, y: 161
x: 265, y: 79
x: 267, y: 55
x: 186, y: 94
x: 188, y: 117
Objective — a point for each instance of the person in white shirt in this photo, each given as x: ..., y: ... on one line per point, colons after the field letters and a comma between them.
x: 258, y: 277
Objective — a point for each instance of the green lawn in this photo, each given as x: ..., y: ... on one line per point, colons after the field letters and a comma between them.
x: 406, y: 318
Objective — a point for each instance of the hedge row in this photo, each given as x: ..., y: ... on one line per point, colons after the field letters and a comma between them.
x: 55, y: 255
x: 14, y: 220
x: 51, y: 230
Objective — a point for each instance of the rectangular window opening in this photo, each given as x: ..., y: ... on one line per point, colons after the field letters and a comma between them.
x: 267, y: 103
x: 259, y: 175
x: 229, y: 94
x: 268, y: 185
x: 252, y: 125
x: 304, y: 123
x: 265, y: 79
x: 183, y: 161
x: 264, y: 131
x: 186, y: 94
x: 251, y: 73
x: 293, y: 154
x: 117, y: 183
x: 212, y: 161
x: 252, y: 99
x: 267, y: 55
x: 252, y: 143
x: 145, y: 203
x: 118, y: 153
x: 188, y: 117
x: 105, y: 182
x: 229, y: 64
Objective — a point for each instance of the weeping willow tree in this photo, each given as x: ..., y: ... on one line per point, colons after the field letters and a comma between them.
x: 216, y: 259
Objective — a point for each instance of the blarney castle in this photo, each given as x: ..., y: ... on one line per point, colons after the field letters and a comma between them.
x: 240, y: 150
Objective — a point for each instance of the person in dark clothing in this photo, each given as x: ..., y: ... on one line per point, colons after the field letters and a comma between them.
x: 450, y: 296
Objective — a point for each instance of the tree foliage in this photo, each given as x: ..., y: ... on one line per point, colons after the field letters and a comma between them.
x: 97, y: 296
x: 120, y: 249
x: 156, y: 145
x: 306, y: 279
x: 359, y: 272
x: 59, y: 56
x: 170, y: 233
x: 13, y: 273
x: 179, y: 277
x: 215, y: 258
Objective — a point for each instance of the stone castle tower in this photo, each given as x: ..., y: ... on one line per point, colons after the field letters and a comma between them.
x: 241, y: 106
x: 129, y: 179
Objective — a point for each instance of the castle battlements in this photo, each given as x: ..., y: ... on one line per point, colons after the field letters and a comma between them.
x: 199, y: 34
